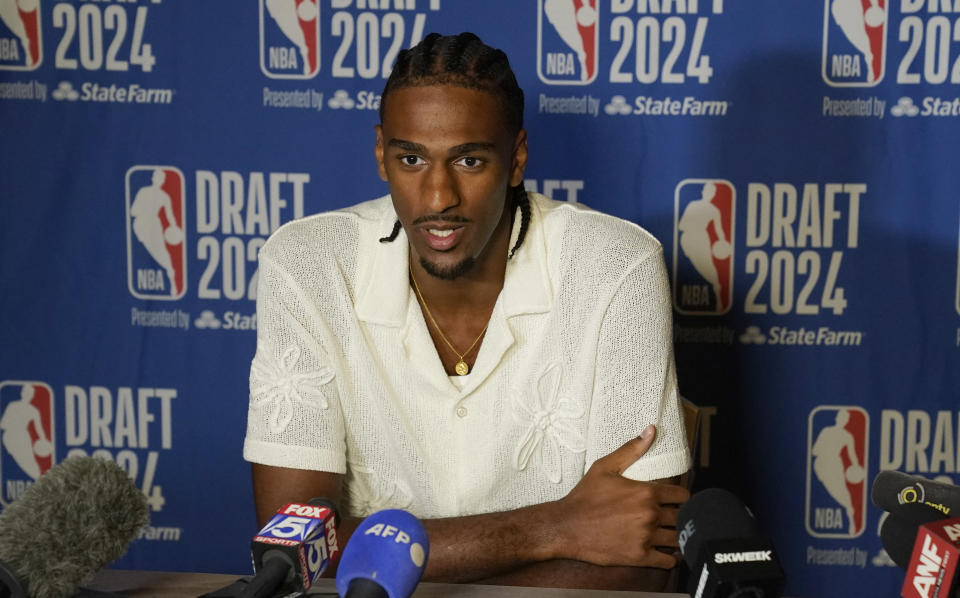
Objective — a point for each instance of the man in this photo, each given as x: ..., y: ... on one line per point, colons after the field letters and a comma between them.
x: 484, y: 358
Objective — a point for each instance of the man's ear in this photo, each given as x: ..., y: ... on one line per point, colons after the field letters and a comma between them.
x: 519, y: 159
x: 378, y: 151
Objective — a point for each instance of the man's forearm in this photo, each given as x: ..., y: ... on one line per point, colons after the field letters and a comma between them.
x: 522, y: 547
x: 477, y: 547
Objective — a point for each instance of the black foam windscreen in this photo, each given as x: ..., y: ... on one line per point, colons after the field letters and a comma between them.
x: 716, y: 513
x: 892, y: 491
x: 899, y: 531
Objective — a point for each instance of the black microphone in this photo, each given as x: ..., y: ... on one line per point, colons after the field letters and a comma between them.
x: 73, y: 521
x: 294, y: 549
x: 727, y: 553
x: 893, y: 490
x: 898, y: 532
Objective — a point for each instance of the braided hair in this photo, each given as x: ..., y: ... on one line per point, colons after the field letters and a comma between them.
x: 463, y: 61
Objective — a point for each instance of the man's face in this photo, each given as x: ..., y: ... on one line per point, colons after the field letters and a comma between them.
x: 449, y: 159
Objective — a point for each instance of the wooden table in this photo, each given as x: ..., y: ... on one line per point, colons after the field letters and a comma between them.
x: 167, y: 585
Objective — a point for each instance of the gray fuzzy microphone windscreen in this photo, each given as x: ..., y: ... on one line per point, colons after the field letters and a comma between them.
x: 74, y: 520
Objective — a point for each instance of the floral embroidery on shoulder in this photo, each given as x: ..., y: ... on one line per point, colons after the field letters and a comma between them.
x: 276, y: 383
x: 367, y: 493
x: 551, y: 422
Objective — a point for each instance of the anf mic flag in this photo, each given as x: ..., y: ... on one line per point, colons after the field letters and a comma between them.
x: 933, y: 567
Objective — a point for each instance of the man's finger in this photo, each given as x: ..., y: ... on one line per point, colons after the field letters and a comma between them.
x: 664, y: 537
x: 670, y: 494
x: 668, y: 517
x: 633, y: 449
x: 660, y: 560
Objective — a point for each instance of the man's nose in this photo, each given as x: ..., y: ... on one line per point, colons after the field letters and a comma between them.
x: 440, y: 189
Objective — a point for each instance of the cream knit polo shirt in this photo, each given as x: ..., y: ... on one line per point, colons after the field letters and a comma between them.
x: 577, y: 359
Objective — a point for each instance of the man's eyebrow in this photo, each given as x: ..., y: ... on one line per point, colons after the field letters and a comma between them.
x: 463, y: 148
x: 473, y: 146
x: 407, y: 146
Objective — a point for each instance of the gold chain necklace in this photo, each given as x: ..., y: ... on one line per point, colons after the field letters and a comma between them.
x: 461, y: 367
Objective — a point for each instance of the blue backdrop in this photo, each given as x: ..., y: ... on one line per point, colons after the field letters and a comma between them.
x: 796, y: 158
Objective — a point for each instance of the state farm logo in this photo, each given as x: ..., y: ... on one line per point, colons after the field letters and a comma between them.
x: 289, y: 38
x: 341, y: 100
x: 703, y: 241
x: 26, y: 435
x: 905, y: 107
x: 156, y: 218
x: 567, y: 41
x: 21, y: 48
x: 854, y: 42
x: 836, y: 505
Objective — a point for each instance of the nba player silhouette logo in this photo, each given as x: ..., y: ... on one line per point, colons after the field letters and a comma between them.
x: 703, y: 240
x: 26, y: 436
x: 20, y: 45
x: 156, y: 212
x: 836, y: 471
x: 290, y: 38
x: 568, y: 38
x: 854, y: 42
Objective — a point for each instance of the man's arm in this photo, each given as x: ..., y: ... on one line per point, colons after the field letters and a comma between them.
x: 606, y: 520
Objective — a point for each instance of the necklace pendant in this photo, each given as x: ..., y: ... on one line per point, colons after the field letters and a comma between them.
x: 461, y: 368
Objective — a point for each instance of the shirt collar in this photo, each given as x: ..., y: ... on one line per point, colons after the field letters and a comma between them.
x: 383, y: 293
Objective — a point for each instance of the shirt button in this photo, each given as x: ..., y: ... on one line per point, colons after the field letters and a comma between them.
x: 461, y: 411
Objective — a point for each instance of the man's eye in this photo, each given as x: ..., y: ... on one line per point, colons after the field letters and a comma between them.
x: 470, y: 162
x: 411, y: 160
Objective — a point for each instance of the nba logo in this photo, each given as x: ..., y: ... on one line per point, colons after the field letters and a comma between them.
x: 854, y: 42
x: 156, y: 213
x: 21, y: 48
x: 567, y: 41
x: 836, y: 471
x: 703, y: 239
x: 290, y: 38
x: 26, y: 435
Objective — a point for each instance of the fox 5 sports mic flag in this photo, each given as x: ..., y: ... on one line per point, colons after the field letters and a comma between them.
x: 306, y: 534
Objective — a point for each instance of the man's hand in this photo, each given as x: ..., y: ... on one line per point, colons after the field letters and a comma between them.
x: 608, y: 519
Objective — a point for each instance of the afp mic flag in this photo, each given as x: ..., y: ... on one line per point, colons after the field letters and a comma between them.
x: 385, y: 557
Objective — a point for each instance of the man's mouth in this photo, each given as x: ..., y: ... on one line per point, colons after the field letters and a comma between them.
x: 441, y: 239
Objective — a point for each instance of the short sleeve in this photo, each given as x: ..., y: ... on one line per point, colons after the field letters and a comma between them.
x: 635, y: 382
x: 294, y: 418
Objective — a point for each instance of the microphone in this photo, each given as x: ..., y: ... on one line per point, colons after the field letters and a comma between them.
x: 932, y: 571
x: 294, y: 549
x: 384, y: 558
x: 73, y: 521
x: 898, y: 532
x: 727, y: 553
x: 892, y: 490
